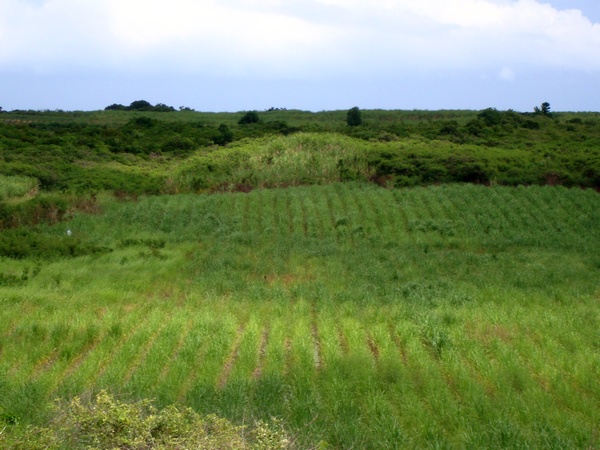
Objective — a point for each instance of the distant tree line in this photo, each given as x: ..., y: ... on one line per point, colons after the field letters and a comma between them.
x: 142, y: 105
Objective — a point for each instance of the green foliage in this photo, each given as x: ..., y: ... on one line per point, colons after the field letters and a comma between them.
x: 354, y: 117
x: 107, y: 423
x: 544, y: 109
x: 116, y: 107
x: 24, y: 243
x: 419, y: 162
x: 249, y: 117
x: 226, y: 136
x: 490, y: 116
x: 41, y: 209
x: 140, y: 105
x: 143, y: 152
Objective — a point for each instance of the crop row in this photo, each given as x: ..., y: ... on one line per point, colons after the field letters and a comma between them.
x: 453, y: 315
x: 502, y: 216
x: 301, y: 361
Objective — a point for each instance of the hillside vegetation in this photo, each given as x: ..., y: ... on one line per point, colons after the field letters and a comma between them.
x: 144, y: 152
x: 313, y: 286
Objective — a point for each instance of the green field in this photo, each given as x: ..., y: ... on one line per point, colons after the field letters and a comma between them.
x: 452, y: 316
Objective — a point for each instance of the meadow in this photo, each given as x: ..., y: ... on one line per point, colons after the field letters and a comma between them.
x: 449, y: 316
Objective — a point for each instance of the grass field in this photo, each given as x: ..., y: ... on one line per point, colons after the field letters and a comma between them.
x: 455, y: 316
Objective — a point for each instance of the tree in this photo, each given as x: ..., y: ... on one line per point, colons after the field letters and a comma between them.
x: 140, y: 105
x: 354, y: 117
x: 161, y: 107
x: 544, y: 110
x: 249, y: 117
x: 225, y: 135
x: 115, y: 107
x: 491, y: 116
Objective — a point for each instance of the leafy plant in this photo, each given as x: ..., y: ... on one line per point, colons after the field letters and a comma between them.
x: 354, y: 117
x: 249, y: 118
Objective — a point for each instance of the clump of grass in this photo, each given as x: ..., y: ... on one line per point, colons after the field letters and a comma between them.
x: 9, y: 279
x: 17, y: 186
x: 435, y: 337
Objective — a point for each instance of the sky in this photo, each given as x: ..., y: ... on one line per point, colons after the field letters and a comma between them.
x: 237, y: 55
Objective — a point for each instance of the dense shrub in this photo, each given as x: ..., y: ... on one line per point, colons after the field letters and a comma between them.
x: 135, y: 154
x: 24, y: 243
x: 43, y: 209
x: 140, y: 105
x: 225, y: 135
x: 354, y: 117
x: 249, y: 118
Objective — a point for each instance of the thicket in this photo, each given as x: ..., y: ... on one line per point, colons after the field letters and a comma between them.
x: 21, y: 243
x: 415, y: 162
x: 141, y: 151
x: 140, y: 105
x: 48, y: 208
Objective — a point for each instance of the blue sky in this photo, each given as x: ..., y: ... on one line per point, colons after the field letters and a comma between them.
x: 234, y: 55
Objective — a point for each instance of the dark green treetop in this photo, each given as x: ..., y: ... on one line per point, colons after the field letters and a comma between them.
x: 354, y: 117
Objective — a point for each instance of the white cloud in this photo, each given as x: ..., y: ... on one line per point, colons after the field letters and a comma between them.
x: 43, y: 35
x: 209, y: 36
x: 303, y: 38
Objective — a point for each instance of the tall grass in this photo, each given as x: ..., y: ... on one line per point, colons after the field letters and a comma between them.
x: 299, y: 159
x: 17, y: 186
x: 450, y: 316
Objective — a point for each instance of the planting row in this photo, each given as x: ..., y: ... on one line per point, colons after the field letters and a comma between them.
x: 400, y: 368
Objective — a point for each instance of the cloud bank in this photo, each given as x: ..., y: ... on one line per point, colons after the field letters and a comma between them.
x: 310, y: 54
x: 293, y: 38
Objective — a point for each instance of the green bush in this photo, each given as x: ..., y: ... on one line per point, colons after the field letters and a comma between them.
x: 249, y: 117
x: 42, y: 209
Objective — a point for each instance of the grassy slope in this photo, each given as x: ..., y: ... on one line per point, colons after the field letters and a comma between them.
x: 458, y: 315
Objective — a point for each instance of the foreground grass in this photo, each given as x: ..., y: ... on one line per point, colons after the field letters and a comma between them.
x: 457, y: 316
